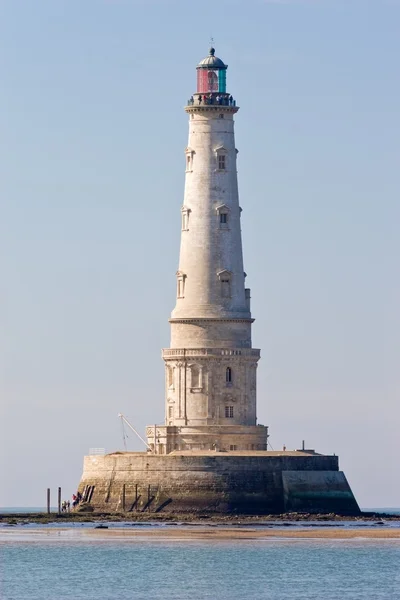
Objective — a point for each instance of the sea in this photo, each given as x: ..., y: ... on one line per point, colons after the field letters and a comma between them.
x: 62, y: 563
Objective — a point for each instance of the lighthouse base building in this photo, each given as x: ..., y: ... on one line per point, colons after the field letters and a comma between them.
x: 210, y: 453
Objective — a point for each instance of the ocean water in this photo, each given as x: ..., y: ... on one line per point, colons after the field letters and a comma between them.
x: 159, y: 569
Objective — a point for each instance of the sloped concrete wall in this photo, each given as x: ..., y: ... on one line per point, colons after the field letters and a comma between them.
x: 304, y: 490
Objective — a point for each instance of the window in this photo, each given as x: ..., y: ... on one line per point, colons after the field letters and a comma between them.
x: 195, y: 370
x: 225, y: 279
x: 233, y: 447
x: 225, y: 288
x: 212, y: 81
x: 170, y: 377
x: 229, y: 412
x: 170, y: 412
x: 181, y: 277
x: 189, y: 159
x: 221, y: 116
x: 196, y: 381
x: 185, y: 218
x: 221, y: 154
x: 228, y: 375
x: 222, y: 211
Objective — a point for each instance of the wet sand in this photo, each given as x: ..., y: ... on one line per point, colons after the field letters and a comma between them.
x: 196, y: 533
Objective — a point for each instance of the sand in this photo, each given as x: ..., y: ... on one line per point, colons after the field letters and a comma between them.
x: 195, y: 533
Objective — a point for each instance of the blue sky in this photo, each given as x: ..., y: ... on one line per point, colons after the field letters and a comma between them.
x: 91, y: 181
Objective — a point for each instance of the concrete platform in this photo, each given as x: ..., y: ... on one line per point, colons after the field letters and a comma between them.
x: 217, y: 482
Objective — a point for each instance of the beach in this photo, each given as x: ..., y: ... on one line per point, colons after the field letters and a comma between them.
x: 214, y: 533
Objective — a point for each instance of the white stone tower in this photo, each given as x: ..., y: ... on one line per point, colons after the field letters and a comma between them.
x: 211, y: 365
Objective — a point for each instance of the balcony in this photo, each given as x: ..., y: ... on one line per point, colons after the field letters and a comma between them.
x: 179, y: 353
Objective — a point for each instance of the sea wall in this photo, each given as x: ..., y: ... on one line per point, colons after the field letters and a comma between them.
x: 246, y: 483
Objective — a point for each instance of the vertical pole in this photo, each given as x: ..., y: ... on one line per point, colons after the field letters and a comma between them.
x: 123, y: 497
x: 303, y: 446
x: 59, y: 500
x: 48, y: 501
x: 136, y: 495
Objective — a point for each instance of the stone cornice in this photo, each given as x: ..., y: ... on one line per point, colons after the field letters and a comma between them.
x: 179, y: 353
x: 214, y: 319
x: 211, y: 108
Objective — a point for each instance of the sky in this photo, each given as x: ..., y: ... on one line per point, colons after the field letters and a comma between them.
x: 92, y: 166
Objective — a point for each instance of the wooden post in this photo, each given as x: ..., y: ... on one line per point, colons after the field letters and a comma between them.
x: 59, y: 501
x: 123, y: 497
x: 48, y: 501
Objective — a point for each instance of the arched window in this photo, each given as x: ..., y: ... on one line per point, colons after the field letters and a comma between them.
x: 228, y: 375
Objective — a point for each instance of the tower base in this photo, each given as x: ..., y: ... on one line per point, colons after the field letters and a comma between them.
x: 164, y: 439
x: 217, y: 482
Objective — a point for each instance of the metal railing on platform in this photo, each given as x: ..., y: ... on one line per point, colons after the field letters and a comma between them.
x: 97, y: 451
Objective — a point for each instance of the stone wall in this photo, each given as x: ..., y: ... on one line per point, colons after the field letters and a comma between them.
x: 246, y: 483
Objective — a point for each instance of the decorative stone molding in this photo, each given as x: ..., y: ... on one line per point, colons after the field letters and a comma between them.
x: 217, y: 352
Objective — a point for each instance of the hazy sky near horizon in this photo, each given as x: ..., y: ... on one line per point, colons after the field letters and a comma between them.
x: 91, y: 185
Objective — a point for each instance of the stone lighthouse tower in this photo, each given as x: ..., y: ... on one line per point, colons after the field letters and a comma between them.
x: 210, y: 455
x: 210, y: 367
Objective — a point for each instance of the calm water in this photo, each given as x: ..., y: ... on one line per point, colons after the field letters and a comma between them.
x: 195, y: 570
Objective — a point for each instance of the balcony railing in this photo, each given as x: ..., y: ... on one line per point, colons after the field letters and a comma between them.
x: 211, y: 100
x: 182, y: 352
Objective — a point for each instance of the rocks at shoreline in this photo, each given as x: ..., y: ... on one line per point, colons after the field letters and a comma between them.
x: 287, y: 519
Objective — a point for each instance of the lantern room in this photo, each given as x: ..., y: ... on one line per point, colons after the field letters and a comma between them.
x: 211, y: 75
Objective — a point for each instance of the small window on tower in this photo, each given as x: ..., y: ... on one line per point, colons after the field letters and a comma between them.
x: 221, y: 162
x: 181, y: 277
x: 185, y: 218
x: 225, y: 287
x: 228, y: 412
x: 228, y: 375
x: 189, y: 159
x: 225, y: 278
x: 223, y: 215
x: 170, y: 412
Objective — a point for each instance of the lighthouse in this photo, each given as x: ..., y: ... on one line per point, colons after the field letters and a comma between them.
x: 210, y: 455
x: 210, y: 366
